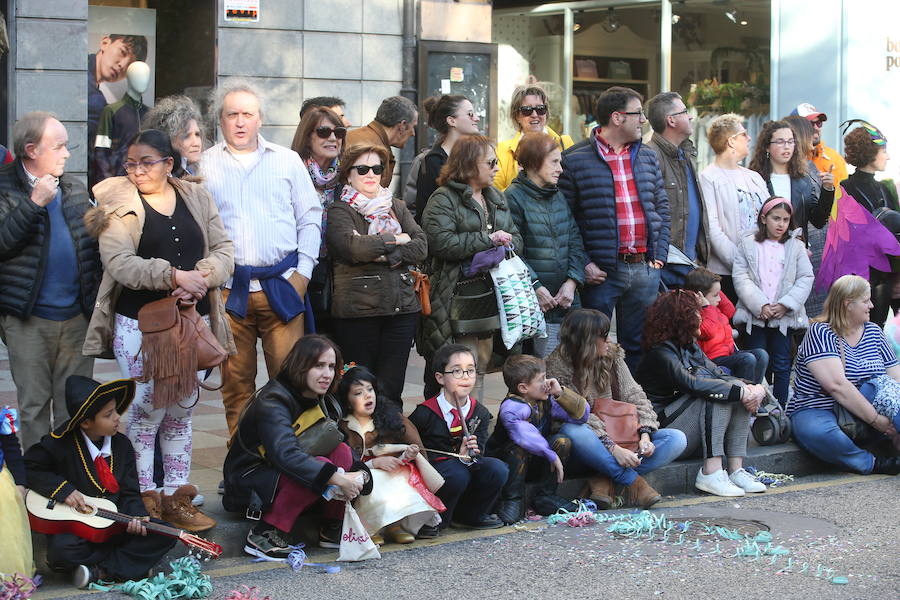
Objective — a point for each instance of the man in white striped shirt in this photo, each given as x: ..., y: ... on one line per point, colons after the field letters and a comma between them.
x: 272, y: 213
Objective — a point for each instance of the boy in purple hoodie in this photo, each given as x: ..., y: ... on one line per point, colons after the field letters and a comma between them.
x: 526, y: 437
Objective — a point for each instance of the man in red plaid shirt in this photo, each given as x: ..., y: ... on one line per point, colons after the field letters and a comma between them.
x: 615, y: 188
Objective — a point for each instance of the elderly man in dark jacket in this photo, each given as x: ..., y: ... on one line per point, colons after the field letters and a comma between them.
x: 614, y: 186
x: 671, y: 123
x: 49, y: 272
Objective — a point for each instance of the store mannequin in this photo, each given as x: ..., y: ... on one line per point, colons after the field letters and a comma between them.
x: 119, y: 122
x: 138, y: 77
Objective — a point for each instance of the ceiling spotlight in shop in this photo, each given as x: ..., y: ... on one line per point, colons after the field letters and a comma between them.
x: 735, y: 17
x: 675, y: 19
x: 612, y: 23
x: 577, y: 26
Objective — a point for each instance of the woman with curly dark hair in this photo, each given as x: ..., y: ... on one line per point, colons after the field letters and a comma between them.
x: 378, y: 432
x: 690, y: 393
x: 866, y: 149
x: 779, y: 160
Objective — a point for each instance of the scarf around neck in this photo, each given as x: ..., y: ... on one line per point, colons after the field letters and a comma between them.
x: 376, y: 211
x: 325, y: 181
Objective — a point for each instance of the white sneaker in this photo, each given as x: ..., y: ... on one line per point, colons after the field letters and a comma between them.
x: 717, y: 483
x: 746, y: 481
x: 198, y: 500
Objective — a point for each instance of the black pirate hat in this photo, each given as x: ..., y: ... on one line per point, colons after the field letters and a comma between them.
x: 85, y: 397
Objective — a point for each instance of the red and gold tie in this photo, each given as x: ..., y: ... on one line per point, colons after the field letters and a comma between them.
x: 455, y: 424
x: 107, y: 479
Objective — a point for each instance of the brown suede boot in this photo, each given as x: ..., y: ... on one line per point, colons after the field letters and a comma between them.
x: 153, y: 503
x: 601, y: 491
x: 178, y: 510
x: 640, y: 494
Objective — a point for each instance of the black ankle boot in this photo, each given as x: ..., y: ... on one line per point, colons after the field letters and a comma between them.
x: 547, y: 504
x: 887, y: 466
x: 511, y: 510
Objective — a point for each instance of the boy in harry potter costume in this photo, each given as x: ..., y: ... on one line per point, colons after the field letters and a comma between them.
x: 86, y: 456
x: 470, y: 489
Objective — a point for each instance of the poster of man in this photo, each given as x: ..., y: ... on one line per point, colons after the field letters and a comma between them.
x: 118, y: 37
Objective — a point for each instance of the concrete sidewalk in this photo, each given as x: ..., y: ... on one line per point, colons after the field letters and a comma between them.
x: 211, y: 435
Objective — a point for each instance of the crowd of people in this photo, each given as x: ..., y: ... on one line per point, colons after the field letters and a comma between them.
x: 709, y: 276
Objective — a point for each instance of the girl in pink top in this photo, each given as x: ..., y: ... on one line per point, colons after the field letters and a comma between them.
x: 773, y: 277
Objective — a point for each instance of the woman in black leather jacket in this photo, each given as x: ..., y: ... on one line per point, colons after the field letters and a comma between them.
x: 691, y: 393
x: 268, y: 471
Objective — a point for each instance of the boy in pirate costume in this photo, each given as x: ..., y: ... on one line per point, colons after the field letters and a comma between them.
x: 86, y: 456
x: 525, y: 437
x: 470, y: 488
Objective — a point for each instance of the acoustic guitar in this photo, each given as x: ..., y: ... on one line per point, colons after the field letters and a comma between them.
x: 102, y: 522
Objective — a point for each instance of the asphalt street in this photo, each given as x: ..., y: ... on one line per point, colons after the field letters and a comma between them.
x: 835, y: 526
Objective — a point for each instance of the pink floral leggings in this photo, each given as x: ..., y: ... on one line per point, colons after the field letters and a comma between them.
x: 173, y: 423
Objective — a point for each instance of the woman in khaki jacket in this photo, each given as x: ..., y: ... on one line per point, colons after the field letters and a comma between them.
x: 158, y: 236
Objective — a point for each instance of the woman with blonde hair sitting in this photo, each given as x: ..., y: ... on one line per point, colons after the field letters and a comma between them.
x: 846, y: 361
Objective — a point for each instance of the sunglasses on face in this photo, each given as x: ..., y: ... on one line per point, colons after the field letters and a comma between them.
x: 325, y: 132
x: 363, y: 169
x: 491, y: 163
x: 540, y: 109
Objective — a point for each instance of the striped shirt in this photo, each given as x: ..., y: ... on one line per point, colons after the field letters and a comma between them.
x: 629, y: 212
x: 268, y: 205
x: 870, y: 357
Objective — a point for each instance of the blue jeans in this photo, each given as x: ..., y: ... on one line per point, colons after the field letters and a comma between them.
x: 747, y: 364
x: 589, y: 453
x: 630, y: 290
x: 816, y: 431
x: 778, y: 346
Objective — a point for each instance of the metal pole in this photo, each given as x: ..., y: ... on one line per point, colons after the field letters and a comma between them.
x: 567, y: 66
x: 408, y: 86
x: 665, y: 46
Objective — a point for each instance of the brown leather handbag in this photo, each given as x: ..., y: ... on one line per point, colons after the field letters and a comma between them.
x: 176, y: 344
x: 621, y: 421
x: 422, y: 286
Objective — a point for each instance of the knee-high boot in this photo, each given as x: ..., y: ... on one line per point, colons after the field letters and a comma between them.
x: 511, y: 506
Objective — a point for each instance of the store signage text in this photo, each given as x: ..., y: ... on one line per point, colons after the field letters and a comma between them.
x: 892, y: 54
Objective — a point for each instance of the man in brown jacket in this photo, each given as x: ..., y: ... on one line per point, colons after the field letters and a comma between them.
x: 395, y: 122
x: 672, y: 130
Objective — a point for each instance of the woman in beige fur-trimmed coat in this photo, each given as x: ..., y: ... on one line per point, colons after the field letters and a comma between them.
x: 589, y: 364
x: 159, y: 236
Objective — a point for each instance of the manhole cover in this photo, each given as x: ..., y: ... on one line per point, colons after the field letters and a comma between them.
x: 708, y: 527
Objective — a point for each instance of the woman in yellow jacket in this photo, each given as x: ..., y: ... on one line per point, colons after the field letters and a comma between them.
x: 529, y: 111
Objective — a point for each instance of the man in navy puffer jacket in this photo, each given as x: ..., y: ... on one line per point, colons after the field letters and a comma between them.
x: 614, y: 186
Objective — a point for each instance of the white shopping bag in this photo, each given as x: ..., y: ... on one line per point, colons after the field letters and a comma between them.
x: 356, y: 544
x: 521, y: 316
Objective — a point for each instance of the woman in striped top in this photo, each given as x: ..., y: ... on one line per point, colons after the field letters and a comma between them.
x: 841, y: 351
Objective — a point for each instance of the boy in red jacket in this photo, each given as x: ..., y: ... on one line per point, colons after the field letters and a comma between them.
x: 716, y: 338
